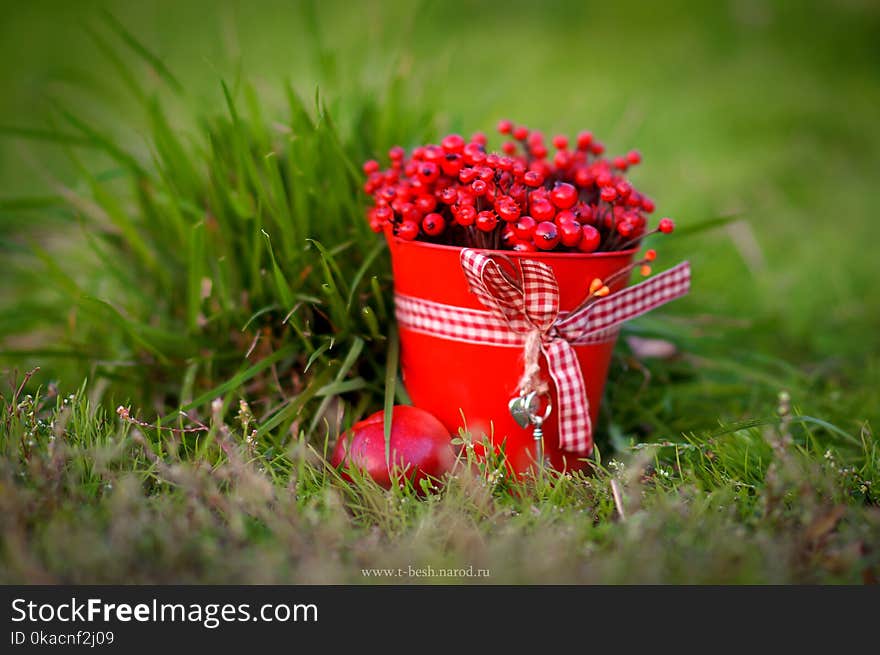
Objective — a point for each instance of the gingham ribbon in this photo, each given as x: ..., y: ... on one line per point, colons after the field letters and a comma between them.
x: 525, y: 300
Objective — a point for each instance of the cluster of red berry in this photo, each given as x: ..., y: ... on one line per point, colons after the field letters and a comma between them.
x: 457, y: 194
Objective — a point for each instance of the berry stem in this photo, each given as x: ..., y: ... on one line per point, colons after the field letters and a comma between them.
x: 637, y: 239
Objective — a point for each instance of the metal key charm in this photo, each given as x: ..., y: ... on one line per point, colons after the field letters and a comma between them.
x: 525, y: 411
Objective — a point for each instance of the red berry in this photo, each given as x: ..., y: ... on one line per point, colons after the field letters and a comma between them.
x: 533, y: 178
x: 624, y: 188
x: 479, y: 187
x: 408, y: 230
x: 608, y: 193
x: 466, y: 215
x: 524, y: 227
x: 425, y: 203
x: 453, y: 143
x: 505, y: 127
x: 647, y: 204
x: 507, y: 209
x: 625, y: 228
x: 433, y: 224
x: 428, y: 172
x: 384, y: 214
x: 396, y: 153
x: 566, y: 216
x: 487, y: 221
x: 604, y: 178
x: 634, y: 157
x: 522, y: 246
x: 570, y: 233
x: 666, y: 225
x: 448, y: 196
x: 546, y: 235
x: 564, y: 195
x: 542, y: 210
x: 432, y: 153
x: 590, y: 238
x: 509, y: 147
x: 583, y: 177
x: 620, y: 163
x: 651, y: 255
x: 371, y: 166
x: 597, y: 148
x: 584, y: 212
x: 584, y: 140
x: 520, y: 133
x: 539, y: 150
x: 451, y: 164
x: 560, y: 142
x: 410, y: 212
x: 562, y: 159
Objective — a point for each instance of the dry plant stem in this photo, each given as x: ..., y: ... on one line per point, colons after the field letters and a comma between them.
x: 636, y: 240
x: 125, y: 414
x: 618, y: 499
x: 593, y: 297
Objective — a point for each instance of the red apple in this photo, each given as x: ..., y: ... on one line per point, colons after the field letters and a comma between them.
x: 420, y: 445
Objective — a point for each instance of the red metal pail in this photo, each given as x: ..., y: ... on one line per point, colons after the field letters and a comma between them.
x: 469, y: 384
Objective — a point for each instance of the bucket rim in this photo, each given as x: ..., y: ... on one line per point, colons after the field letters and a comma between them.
x: 605, y: 254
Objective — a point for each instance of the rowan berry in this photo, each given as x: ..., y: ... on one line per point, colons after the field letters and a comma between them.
x: 564, y: 195
x: 408, y: 230
x: 590, y: 239
x: 487, y: 221
x: 608, y: 193
x: 466, y: 215
x: 433, y: 224
x: 542, y: 210
x: 507, y: 209
x: 569, y: 233
x: 524, y: 228
x: 453, y: 143
x: 533, y: 178
x: 448, y: 196
x: 425, y: 203
x: 428, y: 172
x: 505, y: 127
x: 371, y: 166
x: 666, y: 225
x: 520, y: 133
x: 452, y: 164
x: 546, y: 235
x: 583, y: 177
x: 584, y: 140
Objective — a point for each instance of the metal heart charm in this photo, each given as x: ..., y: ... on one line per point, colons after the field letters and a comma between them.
x: 524, y: 408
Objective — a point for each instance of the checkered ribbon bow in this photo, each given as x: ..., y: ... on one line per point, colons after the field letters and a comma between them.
x: 524, y: 312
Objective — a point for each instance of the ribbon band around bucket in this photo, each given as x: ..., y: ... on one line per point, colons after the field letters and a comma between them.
x: 522, y: 302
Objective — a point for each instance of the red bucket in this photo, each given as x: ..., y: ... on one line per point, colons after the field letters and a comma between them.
x: 469, y: 384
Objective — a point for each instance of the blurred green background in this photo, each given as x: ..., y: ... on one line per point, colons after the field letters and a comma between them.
x: 765, y: 110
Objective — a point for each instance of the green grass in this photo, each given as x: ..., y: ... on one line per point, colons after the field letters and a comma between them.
x: 185, y: 236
